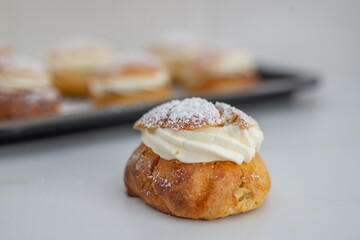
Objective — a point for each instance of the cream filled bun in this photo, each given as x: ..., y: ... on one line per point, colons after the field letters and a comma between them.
x: 132, y: 76
x: 22, y: 73
x: 198, y: 160
x: 177, y: 49
x: 25, y: 89
x: 194, y: 130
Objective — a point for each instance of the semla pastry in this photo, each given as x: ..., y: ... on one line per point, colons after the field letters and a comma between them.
x: 134, y: 77
x: 177, y: 49
x: 74, y: 62
x: 198, y: 160
x: 25, y: 89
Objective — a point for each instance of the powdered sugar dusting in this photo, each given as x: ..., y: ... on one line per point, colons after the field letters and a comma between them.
x: 192, y: 113
x: 132, y: 58
x: 156, y: 117
x: 231, y: 115
x: 33, y: 97
x: 17, y: 63
x: 43, y: 94
x: 189, y: 113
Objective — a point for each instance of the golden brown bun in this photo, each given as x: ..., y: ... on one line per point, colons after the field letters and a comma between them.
x: 175, y: 70
x: 221, y: 85
x: 29, y: 103
x: 72, y: 83
x: 176, y: 65
x: 197, y: 190
x: 127, y: 69
x: 158, y: 95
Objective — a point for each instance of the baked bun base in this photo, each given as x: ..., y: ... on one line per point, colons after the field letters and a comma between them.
x: 221, y: 85
x: 74, y: 84
x: 160, y: 94
x: 26, y: 104
x: 197, y: 190
x: 176, y: 70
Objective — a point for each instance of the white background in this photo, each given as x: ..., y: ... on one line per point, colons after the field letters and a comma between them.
x: 71, y: 187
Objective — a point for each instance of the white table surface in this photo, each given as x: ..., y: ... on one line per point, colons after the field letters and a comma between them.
x: 71, y: 187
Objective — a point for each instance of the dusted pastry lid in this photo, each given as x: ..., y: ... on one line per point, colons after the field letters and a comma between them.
x: 131, y: 62
x: 194, y: 113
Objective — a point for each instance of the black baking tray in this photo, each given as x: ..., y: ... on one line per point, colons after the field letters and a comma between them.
x: 275, y: 82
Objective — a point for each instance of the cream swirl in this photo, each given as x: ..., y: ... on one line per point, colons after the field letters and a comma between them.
x: 219, y: 143
x: 13, y: 83
x: 127, y: 85
x: 226, y: 61
x: 233, y: 62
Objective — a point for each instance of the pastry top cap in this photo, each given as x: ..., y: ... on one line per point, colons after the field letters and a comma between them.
x: 19, y: 64
x: 131, y: 62
x: 193, y: 113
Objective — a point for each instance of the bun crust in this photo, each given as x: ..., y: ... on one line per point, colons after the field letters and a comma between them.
x: 25, y: 104
x: 222, y: 85
x: 128, y: 70
x: 72, y: 83
x: 193, y: 113
x: 197, y: 190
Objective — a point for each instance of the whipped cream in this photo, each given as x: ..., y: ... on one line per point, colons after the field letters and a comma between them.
x: 13, y: 83
x: 129, y: 84
x: 233, y: 62
x: 220, y: 143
